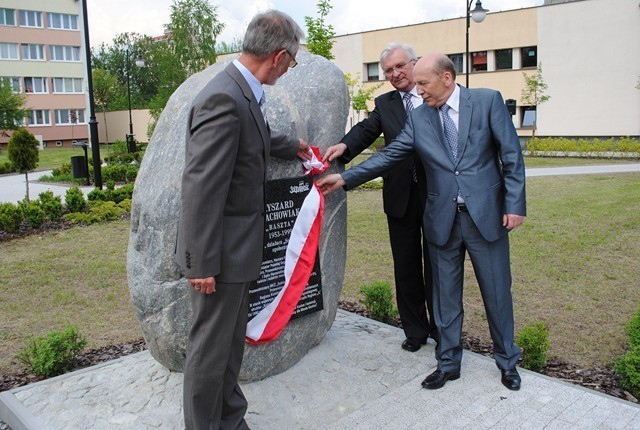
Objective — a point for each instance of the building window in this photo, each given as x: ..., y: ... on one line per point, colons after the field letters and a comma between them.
x: 69, y: 116
x: 530, y: 56
x: 35, y: 85
x: 504, y: 59
x: 62, y: 21
x: 528, y: 116
x: 33, y: 52
x: 373, y: 71
x: 30, y: 18
x: 458, y: 61
x: 8, y: 51
x: 7, y: 16
x: 64, y: 53
x: 479, y: 61
x: 14, y: 81
x: 67, y: 85
x: 38, y: 117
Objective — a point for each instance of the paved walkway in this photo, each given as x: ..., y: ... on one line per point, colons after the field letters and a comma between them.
x: 357, y: 378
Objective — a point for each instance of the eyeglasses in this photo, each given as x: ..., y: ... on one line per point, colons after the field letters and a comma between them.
x: 293, y: 63
x: 397, y: 68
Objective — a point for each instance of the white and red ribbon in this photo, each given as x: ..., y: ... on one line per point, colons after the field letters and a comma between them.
x: 300, y: 258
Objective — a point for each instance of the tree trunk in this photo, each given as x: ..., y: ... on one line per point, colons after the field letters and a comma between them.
x: 26, y: 177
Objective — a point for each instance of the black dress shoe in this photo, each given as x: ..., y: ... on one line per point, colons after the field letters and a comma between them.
x: 412, y: 344
x: 511, y: 379
x: 438, y: 378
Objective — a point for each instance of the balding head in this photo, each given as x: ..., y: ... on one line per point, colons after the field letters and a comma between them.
x: 435, y: 78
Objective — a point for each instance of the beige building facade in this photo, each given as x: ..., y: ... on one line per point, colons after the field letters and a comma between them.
x: 41, y: 52
x: 589, y: 51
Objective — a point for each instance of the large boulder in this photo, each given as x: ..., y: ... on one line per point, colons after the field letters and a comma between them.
x: 311, y: 102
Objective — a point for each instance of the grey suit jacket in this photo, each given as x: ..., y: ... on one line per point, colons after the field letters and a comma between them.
x: 228, y: 144
x: 489, y: 170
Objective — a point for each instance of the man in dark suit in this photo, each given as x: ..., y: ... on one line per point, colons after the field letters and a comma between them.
x: 404, y: 194
x: 475, y: 195
x: 219, y: 242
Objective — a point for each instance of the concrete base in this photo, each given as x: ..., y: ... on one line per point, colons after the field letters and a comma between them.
x: 357, y: 378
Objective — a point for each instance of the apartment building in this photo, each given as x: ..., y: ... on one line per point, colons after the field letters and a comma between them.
x: 589, y: 51
x: 41, y: 53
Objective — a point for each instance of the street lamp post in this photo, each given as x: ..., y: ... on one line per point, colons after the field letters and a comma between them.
x: 131, y: 144
x: 478, y: 15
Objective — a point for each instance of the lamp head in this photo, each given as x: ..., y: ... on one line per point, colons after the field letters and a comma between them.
x: 479, y: 13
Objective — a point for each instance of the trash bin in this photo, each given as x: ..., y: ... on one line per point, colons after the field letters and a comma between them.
x: 78, y: 166
x: 511, y: 106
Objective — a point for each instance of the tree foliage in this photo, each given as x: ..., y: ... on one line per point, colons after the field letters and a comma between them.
x: 533, y: 93
x: 320, y: 35
x: 358, y: 93
x: 105, y: 88
x: 23, y: 153
x: 12, y: 107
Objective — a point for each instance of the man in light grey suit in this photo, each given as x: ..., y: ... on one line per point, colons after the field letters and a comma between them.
x: 221, y: 228
x: 475, y: 195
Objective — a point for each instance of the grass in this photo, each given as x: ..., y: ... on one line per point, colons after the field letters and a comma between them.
x: 574, y: 267
x: 574, y: 262
x: 51, y: 158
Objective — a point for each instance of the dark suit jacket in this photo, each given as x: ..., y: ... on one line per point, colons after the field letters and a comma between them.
x: 489, y: 170
x: 388, y: 118
x: 227, y: 148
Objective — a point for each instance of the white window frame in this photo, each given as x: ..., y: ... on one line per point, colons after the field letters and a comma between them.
x: 65, y: 21
x: 68, y: 53
x: 32, y: 52
x: 4, y: 13
x: 31, y: 15
x: 68, y: 85
x: 35, y: 83
x: 63, y: 116
x: 6, y: 49
x: 39, y: 118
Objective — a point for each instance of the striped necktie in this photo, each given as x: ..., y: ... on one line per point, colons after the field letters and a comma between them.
x: 408, y: 105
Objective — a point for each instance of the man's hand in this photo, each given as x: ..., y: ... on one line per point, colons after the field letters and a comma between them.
x: 334, y: 152
x: 330, y: 182
x: 512, y: 221
x: 304, y: 151
x: 204, y: 285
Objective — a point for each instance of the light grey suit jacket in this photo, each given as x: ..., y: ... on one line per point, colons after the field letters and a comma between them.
x: 489, y: 170
x: 228, y: 144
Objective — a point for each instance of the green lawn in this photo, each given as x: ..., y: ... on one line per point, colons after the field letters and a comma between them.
x: 52, y: 157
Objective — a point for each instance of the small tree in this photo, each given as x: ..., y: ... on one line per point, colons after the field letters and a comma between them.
x: 358, y: 94
x: 533, y: 92
x: 12, y: 107
x: 105, y: 90
x: 320, y: 35
x: 23, y: 153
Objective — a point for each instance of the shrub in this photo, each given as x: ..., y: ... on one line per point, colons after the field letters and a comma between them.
x: 53, y: 353
x: 11, y: 217
x: 51, y: 205
x: 6, y: 167
x: 534, y: 342
x: 74, y: 199
x: 63, y: 170
x: 131, y: 173
x: 633, y: 330
x: 35, y: 214
x: 99, y: 211
x: 110, y: 194
x: 628, y: 368
x: 114, y: 172
x: 378, y: 299
x: 595, y: 148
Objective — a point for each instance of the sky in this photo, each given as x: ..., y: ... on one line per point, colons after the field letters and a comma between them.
x: 108, y: 18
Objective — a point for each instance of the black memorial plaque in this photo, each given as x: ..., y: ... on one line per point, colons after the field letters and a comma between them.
x: 284, y: 198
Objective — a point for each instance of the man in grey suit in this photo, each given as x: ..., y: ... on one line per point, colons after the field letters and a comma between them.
x: 475, y: 195
x: 221, y: 228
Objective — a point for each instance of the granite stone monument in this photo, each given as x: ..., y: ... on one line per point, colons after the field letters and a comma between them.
x: 310, y: 101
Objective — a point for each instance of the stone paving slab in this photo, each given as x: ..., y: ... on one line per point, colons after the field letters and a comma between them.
x: 357, y: 378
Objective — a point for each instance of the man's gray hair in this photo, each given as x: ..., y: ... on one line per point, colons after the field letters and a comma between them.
x: 271, y: 31
x: 444, y: 64
x: 394, y: 46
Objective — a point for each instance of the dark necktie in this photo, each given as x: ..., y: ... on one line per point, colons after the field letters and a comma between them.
x: 408, y: 105
x: 263, y: 107
x: 450, y: 130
